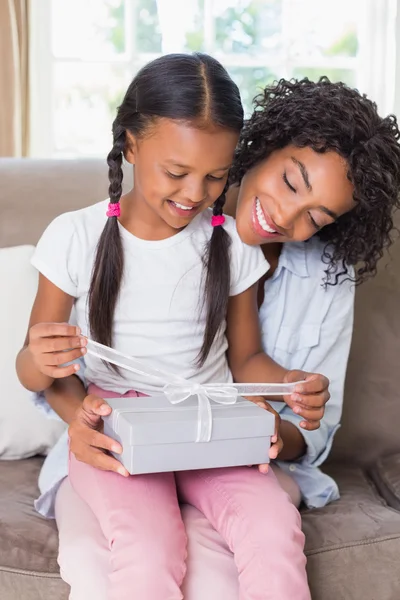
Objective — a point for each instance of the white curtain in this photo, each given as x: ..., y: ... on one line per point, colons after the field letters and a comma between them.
x: 14, y: 78
x: 378, y: 39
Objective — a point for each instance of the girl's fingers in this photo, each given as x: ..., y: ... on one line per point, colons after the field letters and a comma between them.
x: 43, y: 330
x: 100, y: 460
x: 314, y: 385
x: 309, y: 414
x: 60, y: 372
x: 95, y: 439
x: 59, y: 344
x: 311, y: 401
x: 93, y: 405
x: 310, y: 425
x: 55, y: 359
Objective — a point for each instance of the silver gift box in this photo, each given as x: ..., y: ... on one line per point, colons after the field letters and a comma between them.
x: 157, y: 436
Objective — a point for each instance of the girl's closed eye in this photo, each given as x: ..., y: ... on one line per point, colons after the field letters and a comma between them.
x: 175, y: 175
x: 287, y: 182
x: 213, y: 178
x: 181, y: 175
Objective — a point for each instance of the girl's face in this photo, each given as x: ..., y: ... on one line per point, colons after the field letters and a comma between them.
x: 291, y: 195
x: 180, y: 171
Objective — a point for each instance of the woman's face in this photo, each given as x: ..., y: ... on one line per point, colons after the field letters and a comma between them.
x: 291, y: 195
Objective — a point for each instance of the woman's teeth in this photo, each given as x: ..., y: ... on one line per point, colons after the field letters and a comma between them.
x: 182, y: 206
x: 261, y: 219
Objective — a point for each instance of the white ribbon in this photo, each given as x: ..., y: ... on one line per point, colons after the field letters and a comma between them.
x: 222, y: 395
x: 179, y: 389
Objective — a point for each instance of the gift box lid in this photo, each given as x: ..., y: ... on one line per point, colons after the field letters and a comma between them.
x: 154, y: 420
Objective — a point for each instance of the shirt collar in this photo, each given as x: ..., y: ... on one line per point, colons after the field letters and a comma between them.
x: 293, y: 258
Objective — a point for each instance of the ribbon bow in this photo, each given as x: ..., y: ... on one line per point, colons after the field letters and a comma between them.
x: 177, y: 393
x: 180, y: 389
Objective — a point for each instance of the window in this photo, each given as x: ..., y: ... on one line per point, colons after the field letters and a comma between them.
x: 84, y: 54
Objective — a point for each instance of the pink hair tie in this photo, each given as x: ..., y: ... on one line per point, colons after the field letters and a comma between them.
x: 114, y: 209
x: 217, y: 220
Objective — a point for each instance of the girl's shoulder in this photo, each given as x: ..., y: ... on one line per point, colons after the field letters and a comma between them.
x: 85, y: 224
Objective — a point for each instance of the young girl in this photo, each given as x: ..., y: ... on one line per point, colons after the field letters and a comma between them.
x: 153, y: 279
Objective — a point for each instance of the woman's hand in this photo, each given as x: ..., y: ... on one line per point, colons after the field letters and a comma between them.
x: 55, y: 344
x: 87, y: 440
x: 309, y: 398
x: 276, y: 440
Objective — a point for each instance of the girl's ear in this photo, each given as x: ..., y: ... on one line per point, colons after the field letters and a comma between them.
x: 130, y: 148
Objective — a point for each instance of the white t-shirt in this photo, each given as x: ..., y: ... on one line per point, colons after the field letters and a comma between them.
x: 158, y: 318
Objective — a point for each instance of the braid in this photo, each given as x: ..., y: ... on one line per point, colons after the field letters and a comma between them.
x: 217, y: 282
x: 109, y: 264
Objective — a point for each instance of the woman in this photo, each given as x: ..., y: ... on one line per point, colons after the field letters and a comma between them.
x: 315, y: 162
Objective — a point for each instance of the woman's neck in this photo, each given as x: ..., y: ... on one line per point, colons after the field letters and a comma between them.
x: 272, y: 253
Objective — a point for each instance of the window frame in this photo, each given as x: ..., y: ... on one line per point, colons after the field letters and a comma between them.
x: 375, y: 65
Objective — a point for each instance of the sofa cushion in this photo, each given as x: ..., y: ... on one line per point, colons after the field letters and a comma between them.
x: 386, y: 476
x: 353, y: 545
x: 28, y: 543
x: 24, y: 431
x: 347, y: 543
x: 27, y: 540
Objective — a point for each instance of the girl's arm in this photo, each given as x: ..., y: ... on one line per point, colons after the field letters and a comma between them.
x: 249, y: 363
x: 247, y: 360
x: 294, y: 445
x: 67, y: 397
x: 50, y: 341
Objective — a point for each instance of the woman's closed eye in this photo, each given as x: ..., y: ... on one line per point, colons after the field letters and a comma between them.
x: 287, y: 182
x: 314, y: 223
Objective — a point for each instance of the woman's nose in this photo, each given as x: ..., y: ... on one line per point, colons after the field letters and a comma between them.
x: 285, y: 216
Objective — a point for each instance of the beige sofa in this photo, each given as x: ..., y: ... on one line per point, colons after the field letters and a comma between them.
x: 353, y: 545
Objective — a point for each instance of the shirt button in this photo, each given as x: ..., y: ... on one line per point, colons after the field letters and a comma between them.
x: 292, y: 468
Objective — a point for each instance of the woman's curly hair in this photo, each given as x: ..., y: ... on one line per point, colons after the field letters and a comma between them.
x: 330, y: 116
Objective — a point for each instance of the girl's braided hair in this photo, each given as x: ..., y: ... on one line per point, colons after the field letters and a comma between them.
x: 189, y: 88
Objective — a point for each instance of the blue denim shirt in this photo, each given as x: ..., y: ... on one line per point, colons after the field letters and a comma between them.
x: 305, y: 326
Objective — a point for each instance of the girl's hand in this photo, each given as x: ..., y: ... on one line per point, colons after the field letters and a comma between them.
x: 310, y: 398
x: 276, y: 440
x: 54, y: 344
x: 86, y: 440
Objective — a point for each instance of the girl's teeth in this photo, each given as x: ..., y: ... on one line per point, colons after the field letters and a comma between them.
x: 183, y: 207
x: 261, y: 219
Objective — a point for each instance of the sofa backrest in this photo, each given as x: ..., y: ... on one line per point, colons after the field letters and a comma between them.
x: 371, y: 416
x: 33, y: 192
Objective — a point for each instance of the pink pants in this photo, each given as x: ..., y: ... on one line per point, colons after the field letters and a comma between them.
x: 141, y: 521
